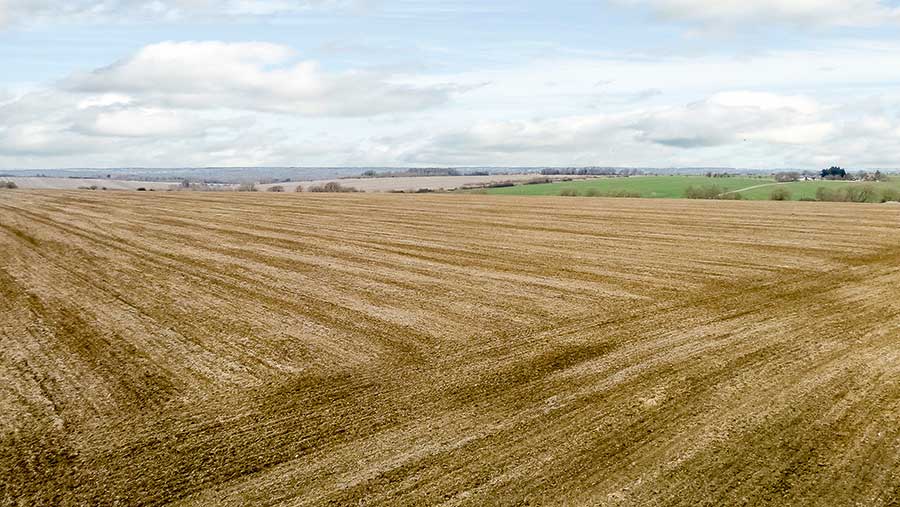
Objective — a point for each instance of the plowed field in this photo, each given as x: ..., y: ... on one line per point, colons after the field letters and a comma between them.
x: 304, y: 349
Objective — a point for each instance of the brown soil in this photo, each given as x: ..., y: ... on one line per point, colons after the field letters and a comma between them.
x: 303, y: 349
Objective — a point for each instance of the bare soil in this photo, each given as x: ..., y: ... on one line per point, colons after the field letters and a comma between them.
x: 51, y: 183
x: 374, y: 349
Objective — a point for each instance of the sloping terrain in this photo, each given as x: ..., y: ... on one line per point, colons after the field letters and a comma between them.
x: 659, y: 187
x: 303, y: 349
x: 675, y: 187
x: 50, y: 183
x: 414, y: 183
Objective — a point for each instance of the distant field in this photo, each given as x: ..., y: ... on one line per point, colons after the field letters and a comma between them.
x: 401, y: 184
x: 408, y: 183
x: 187, y: 348
x: 50, y: 183
x: 757, y: 189
x: 648, y: 186
x: 807, y: 189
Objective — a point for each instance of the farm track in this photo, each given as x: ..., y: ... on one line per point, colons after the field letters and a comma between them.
x: 237, y: 349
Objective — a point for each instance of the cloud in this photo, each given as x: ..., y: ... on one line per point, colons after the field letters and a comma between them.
x: 498, y: 138
x: 49, y: 123
x: 140, y: 122
x: 198, y: 101
x: 252, y: 76
x: 216, y: 103
x: 731, y: 117
x: 803, y: 13
x: 26, y: 12
x: 738, y: 128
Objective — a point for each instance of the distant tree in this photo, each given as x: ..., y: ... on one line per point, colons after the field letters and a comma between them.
x: 784, y: 177
x: 585, y: 171
x: 710, y: 192
x: 834, y: 173
x: 780, y: 194
x: 298, y: 188
x: 849, y: 193
x: 698, y: 192
x: 8, y: 184
x: 331, y: 187
x: 185, y: 183
x: 275, y: 188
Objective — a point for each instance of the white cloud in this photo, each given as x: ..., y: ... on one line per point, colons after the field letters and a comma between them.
x: 493, y: 139
x: 740, y: 128
x: 200, y: 103
x: 732, y: 117
x: 763, y: 101
x: 214, y: 103
x: 26, y: 12
x: 252, y: 76
x: 805, y: 13
x: 141, y: 122
x: 50, y: 123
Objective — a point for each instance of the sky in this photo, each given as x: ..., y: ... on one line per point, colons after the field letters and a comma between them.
x: 631, y: 83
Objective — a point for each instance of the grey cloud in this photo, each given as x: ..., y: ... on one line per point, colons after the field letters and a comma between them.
x: 691, y: 142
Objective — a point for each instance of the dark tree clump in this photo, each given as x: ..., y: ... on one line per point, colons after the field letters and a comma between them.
x: 834, y: 173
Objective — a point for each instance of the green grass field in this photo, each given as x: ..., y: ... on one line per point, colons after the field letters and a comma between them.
x: 807, y: 189
x: 673, y: 187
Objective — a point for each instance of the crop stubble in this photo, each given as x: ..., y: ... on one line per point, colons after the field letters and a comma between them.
x: 198, y: 348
